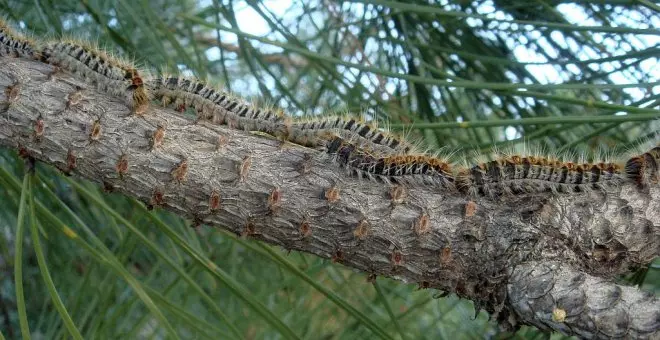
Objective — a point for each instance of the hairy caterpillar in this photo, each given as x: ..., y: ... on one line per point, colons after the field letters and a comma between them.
x: 523, y: 174
x: 644, y: 169
x: 309, y: 133
x: 218, y: 106
x: 14, y: 44
x: 221, y: 107
x: 412, y: 168
x: 116, y: 77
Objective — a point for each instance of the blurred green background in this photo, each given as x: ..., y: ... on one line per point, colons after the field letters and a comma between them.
x: 574, y: 76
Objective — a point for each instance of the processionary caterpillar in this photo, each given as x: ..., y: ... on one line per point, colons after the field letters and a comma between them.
x: 412, y: 169
x: 644, y: 169
x: 218, y: 106
x: 308, y: 133
x: 14, y: 44
x: 514, y: 174
x: 222, y: 108
x: 524, y: 174
x: 116, y: 77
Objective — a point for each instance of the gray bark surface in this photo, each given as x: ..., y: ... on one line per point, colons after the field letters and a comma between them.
x: 522, y: 258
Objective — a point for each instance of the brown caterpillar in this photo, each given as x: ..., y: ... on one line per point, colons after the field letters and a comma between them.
x: 222, y: 108
x: 218, y: 106
x: 411, y: 169
x: 13, y: 44
x: 113, y: 76
x: 308, y: 133
x: 644, y: 169
x: 517, y: 174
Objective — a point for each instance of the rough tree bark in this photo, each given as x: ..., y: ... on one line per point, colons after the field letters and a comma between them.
x: 540, y: 259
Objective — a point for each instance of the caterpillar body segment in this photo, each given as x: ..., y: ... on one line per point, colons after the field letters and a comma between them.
x: 317, y: 138
x: 218, y: 106
x: 528, y: 174
x: 14, y: 44
x: 305, y: 133
x: 412, y: 169
x: 111, y: 75
x: 644, y: 169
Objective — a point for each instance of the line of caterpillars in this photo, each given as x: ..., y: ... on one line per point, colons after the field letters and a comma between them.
x: 363, y: 149
x: 506, y: 175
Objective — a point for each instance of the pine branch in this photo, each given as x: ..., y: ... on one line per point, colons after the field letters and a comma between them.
x: 516, y: 257
x: 552, y: 295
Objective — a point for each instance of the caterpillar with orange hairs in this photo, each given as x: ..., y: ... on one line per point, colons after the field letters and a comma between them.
x: 509, y: 175
x: 411, y: 168
x: 518, y: 174
x: 644, y: 169
x: 111, y: 75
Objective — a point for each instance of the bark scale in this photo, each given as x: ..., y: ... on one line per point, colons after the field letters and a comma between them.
x: 540, y: 259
